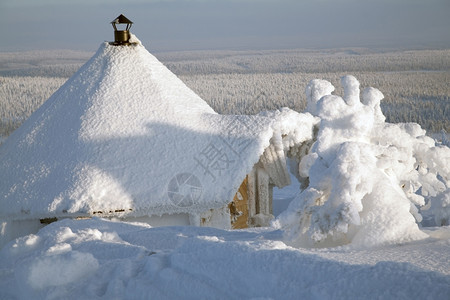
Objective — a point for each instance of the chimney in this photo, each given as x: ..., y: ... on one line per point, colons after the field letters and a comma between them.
x: 121, y: 36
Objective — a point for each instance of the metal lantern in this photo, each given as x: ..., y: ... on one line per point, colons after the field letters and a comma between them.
x: 121, y: 37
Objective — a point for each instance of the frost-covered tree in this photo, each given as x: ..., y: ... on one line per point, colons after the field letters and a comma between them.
x: 366, y: 178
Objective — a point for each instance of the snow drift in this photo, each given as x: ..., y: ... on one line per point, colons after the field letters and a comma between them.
x: 100, y: 259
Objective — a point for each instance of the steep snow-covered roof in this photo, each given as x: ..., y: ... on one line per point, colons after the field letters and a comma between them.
x: 125, y: 135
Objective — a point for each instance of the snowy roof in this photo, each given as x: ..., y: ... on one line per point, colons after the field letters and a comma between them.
x: 125, y: 135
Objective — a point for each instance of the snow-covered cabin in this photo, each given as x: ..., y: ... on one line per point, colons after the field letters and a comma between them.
x: 125, y: 138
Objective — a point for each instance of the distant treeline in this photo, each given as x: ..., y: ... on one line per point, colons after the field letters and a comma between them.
x: 415, y: 83
x: 21, y: 96
x: 421, y: 97
x: 305, y: 61
x: 50, y: 63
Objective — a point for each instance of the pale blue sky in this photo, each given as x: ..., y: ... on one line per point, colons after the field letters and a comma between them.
x: 165, y: 25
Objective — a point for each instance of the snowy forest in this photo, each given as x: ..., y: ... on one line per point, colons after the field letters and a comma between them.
x: 414, y: 83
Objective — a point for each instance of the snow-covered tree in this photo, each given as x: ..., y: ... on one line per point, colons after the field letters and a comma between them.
x: 366, y: 178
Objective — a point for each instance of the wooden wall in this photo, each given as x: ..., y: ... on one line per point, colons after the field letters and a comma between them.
x: 239, y: 207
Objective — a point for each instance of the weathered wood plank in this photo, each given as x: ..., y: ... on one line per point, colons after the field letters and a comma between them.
x: 239, y: 207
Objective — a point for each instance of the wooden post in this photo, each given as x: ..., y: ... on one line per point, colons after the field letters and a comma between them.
x: 263, y: 199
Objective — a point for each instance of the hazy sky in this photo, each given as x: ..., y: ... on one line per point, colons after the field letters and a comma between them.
x: 164, y: 25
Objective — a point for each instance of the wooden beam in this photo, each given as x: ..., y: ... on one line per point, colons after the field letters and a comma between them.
x: 274, y: 162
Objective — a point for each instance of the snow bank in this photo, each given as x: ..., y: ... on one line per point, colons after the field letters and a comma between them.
x: 98, y: 259
x: 366, y: 178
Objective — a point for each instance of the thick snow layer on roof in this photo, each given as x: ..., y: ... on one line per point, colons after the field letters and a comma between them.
x: 124, y: 133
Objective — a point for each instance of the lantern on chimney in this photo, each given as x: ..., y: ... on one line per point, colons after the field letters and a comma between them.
x: 121, y: 35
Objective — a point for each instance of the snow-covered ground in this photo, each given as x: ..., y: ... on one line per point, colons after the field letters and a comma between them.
x: 99, y: 259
